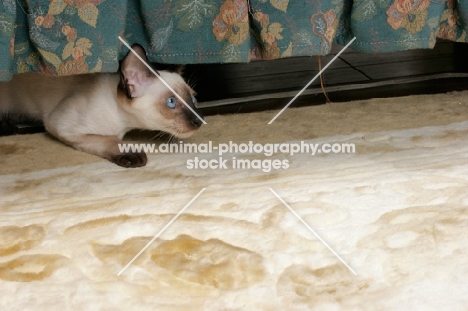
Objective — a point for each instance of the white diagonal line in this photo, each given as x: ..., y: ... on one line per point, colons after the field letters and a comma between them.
x: 162, y: 80
x: 315, y: 233
x: 160, y: 232
x: 311, y: 81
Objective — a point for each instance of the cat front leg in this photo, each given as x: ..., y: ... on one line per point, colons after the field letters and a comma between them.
x: 74, y: 118
x: 107, y: 147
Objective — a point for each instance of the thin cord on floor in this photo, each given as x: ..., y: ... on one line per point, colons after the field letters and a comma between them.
x: 322, y: 85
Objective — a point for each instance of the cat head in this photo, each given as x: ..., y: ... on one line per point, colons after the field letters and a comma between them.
x: 159, y: 99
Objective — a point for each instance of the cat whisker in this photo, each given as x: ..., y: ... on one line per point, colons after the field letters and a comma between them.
x: 170, y: 139
x: 193, y: 81
x: 158, y: 135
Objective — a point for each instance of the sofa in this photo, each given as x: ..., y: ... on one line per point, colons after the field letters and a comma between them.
x: 65, y: 37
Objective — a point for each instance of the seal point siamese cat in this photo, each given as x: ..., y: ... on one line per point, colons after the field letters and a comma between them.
x: 92, y: 112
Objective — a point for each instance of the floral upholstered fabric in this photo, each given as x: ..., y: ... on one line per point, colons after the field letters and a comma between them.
x: 64, y: 37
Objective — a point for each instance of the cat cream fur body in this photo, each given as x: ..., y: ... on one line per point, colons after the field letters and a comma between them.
x: 93, y: 112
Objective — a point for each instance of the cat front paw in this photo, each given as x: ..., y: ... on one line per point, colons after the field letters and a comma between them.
x: 131, y: 159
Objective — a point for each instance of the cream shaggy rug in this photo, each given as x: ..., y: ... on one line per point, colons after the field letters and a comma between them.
x: 395, y: 211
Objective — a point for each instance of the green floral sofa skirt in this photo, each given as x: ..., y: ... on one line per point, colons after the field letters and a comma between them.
x: 66, y: 37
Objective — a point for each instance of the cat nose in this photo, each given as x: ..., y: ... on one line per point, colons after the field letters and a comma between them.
x: 195, y: 116
x: 196, y: 121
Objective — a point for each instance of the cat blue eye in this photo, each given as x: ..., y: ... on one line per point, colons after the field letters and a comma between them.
x: 171, y: 102
x: 194, y: 100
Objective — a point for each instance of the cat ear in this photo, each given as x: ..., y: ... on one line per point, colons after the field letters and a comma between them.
x: 179, y: 69
x: 135, y: 74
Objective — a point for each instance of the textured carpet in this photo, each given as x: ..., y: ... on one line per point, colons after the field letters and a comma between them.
x: 396, y: 211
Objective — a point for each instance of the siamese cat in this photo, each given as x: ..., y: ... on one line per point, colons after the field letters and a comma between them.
x: 92, y: 112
